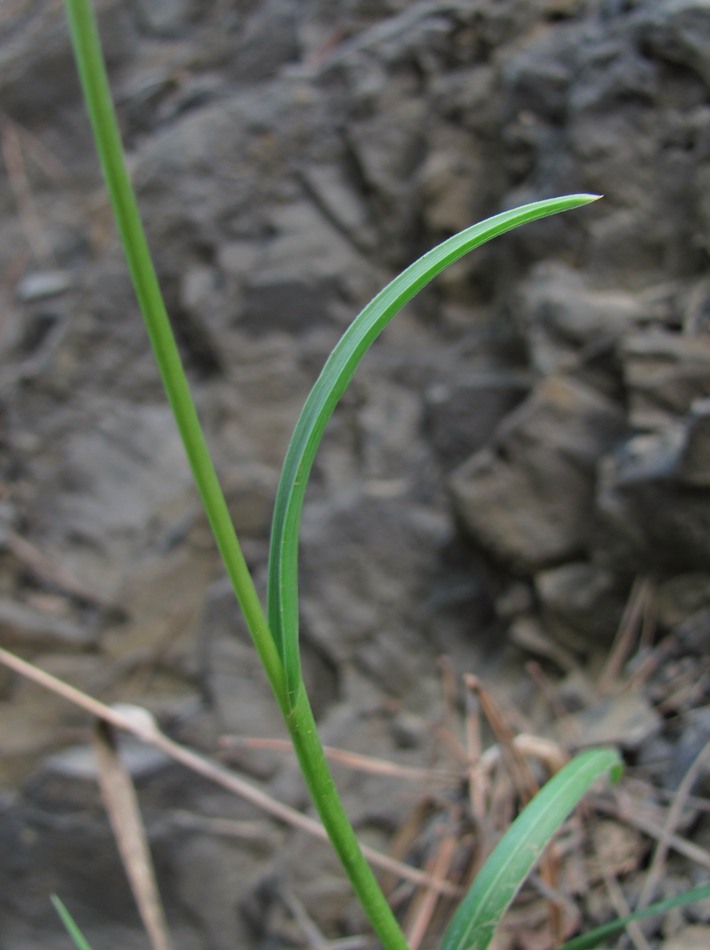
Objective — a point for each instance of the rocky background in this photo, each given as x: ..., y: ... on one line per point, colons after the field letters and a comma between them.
x: 519, y: 470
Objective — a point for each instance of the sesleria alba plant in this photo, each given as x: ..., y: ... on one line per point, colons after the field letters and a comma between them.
x: 274, y: 630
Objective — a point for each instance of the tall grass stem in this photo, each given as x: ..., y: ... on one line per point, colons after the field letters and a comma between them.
x: 295, y: 706
x: 97, y: 94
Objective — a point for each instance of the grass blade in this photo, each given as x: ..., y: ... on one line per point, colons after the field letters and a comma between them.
x: 97, y: 95
x: 76, y: 935
x: 294, y: 703
x: 520, y: 848
x: 326, y: 393
x: 592, y: 939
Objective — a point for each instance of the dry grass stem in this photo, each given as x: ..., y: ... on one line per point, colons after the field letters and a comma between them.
x: 633, y: 622
x: 352, y: 760
x: 141, y: 724
x: 121, y: 803
x: 11, y: 147
x: 675, y: 812
x: 622, y: 909
x: 438, y: 867
x: 477, y: 782
x: 636, y: 819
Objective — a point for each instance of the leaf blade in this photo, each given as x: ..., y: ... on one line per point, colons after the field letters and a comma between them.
x: 80, y: 942
x: 515, y: 855
x: 327, y: 391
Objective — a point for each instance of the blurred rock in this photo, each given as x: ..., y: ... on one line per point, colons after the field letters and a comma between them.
x: 30, y: 89
x: 234, y: 683
x: 78, y: 763
x: 567, y: 324
x: 368, y: 569
x: 664, y: 374
x: 581, y: 604
x: 627, y: 719
x: 677, y: 32
x: 680, y: 596
x: 695, y: 456
x: 649, y: 519
x: 165, y: 17
x: 693, y: 937
x: 43, y: 284
x: 693, y: 633
x: 265, y: 41
x: 28, y: 630
x: 693, y: 746
x: 529, y: 498
x: 462, y: 415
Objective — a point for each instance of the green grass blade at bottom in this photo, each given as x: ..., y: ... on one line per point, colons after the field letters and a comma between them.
x: 80, y: 942
x: 520, y: 848
x: 326, y: 393
x: 591, y: 940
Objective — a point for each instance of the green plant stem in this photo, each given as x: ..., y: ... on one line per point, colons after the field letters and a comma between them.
x: 295, y: 707
x: 319, y: 780
x: 78, y: 939
x: 97, y: 94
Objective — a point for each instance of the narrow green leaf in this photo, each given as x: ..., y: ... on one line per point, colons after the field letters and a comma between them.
x: 520, y: 848
x: 76, y: 935
x: 592, y: 939
x: 97, y: 95
x: 326, y: 393
x: 294, y: 704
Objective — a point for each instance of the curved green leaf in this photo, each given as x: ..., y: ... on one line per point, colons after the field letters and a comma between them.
x: 520, y: 848
x: 330, y: 386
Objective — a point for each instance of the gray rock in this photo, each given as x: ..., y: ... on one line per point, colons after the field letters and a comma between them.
x: 529, y: 498
x: 530, y: 635
x: 664, y: 373
x: 166, y: 17
x: 212, y: 876
x: 567, y: 324
x: 78, y: 763
x: 694, y: 468
x: 447, y: 183
x: 119, y: 476
x: 42, y: 284
x: 627, y: 719
x: 281, y: 305
x: 677, y: 31
x: 266, y: 41
x: 693, y: 632
x: 235, y: 685
x: 582, y: 604
x: 681, y: 596
x: 462, y: 415
x: 31, y: 84
x: 26, y: 628
x: 691, y: 745
x: 340, y: 201
x: 648, y: 518
x: 368, y: 569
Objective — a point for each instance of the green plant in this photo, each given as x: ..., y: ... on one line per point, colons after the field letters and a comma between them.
x: 275, y: 632
x: 70, y: 926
